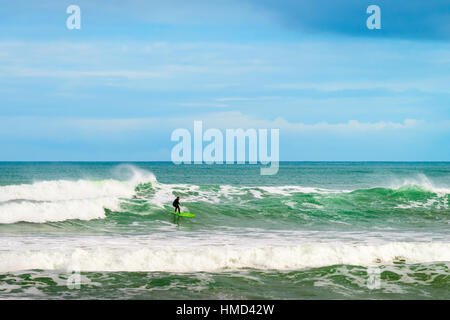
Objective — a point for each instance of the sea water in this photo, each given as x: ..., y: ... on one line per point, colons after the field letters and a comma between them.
x: 316, y: 230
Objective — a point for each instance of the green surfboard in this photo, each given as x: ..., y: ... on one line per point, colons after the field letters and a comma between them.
x: 184, y: 214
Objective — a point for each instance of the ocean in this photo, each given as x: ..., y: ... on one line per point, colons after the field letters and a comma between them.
x: 315, y: 230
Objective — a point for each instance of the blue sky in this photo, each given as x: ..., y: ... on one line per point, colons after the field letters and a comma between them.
x: 117, y: 88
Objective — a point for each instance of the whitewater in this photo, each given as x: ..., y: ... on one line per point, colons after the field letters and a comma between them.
x: 113, y: 219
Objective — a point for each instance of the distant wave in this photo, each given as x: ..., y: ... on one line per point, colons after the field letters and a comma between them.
x: 224, y: 258
x: 219, y: 193
x: 421, y: 182
x: 61, y: 200
x: 400, y: 196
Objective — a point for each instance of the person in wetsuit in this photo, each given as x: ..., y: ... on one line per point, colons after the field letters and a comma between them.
x: 176, y: 204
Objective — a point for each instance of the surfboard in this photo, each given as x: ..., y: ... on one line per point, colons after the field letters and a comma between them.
x: 184, y: 214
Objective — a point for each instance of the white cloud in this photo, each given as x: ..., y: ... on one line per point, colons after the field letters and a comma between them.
x: 424, y: 85
x: 233, y: 99
x: 214, y: 105
x: 236, y: 119
x: 309, y: 65
x: 130, y: 74
x: 91, y: 128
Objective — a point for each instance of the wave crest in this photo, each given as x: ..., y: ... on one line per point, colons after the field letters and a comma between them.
x: 216, y: 259
x: 59, y: 200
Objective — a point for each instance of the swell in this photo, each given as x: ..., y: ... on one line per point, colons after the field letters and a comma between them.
x: 214, y: 204
x: 142, y: 195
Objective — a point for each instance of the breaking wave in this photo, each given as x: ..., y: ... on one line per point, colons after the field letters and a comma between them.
x: 216, y: 259
x: 59, y: 200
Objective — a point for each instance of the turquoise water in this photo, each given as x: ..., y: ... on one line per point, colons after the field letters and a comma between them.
x: 323, y: 230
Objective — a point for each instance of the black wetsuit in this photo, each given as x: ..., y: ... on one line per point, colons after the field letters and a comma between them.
x: 176, y: 204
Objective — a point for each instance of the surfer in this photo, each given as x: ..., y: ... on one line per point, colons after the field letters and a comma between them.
x: 176, y: 204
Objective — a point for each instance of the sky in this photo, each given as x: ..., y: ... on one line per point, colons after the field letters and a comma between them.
x: 117, y: 88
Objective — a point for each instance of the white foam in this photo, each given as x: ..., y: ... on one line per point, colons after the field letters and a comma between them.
x: 423, y: 182
x: 164, y: 193
x: 288, y: 190
x: 42, y: 212
x: 223, y: 258
x: 59, y: 200
x: 437, y: 203
x: 72, y: 190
